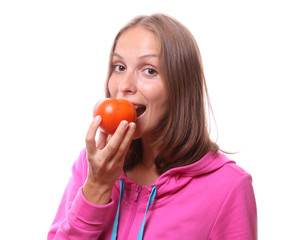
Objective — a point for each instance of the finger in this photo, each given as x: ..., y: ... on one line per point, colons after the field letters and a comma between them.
x: 128, y: 136
x: 91, y: 134
x: 108, y: 138
x: 125, y: 143
x: 102, y: 140
x: 116, y: 139
x: 124, y: 146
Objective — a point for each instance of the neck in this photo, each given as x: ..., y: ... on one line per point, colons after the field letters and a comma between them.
x: 149, y: 154
x: 144, y: 173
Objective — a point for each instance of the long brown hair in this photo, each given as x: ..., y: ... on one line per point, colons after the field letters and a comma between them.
x: 183, y: 136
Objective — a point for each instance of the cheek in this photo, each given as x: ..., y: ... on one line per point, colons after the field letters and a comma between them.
x: 163, y: 106
x: 158, y: 98
x: 152, y: 91
x: 112, y: 87
x: 162, y: 101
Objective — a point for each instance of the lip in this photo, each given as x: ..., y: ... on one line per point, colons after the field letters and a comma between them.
x: 136, y: 104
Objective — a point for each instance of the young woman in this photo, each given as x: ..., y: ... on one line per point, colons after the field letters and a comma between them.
x: 161, y: 177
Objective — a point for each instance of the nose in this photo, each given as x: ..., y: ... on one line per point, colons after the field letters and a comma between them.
x: 127, y: 85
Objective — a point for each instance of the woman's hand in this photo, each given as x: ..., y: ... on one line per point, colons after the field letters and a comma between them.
x: 105, y: 160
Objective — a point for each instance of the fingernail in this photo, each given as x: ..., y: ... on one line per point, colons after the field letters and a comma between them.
x: 124, y: 124
x: 132, y: 125
x: 98, y: 118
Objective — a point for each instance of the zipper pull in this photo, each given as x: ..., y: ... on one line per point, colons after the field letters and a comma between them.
x: 138, y: 190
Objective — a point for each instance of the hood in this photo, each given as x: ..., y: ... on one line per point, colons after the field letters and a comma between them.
x: 174, y: 179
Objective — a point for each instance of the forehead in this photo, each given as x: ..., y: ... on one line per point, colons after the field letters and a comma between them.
x: 138, y: 38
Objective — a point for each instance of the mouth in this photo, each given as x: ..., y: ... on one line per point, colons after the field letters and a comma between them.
x: 140, y: 109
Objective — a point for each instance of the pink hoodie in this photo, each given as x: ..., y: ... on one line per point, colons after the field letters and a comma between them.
x: 210, y: 199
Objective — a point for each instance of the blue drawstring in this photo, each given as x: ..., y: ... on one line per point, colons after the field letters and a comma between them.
x: 150, y: 201
x: 115, y: 225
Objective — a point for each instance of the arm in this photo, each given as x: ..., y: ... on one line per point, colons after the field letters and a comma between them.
x: 237, y: 218
x: 86, y: 207
x: 76, y: 217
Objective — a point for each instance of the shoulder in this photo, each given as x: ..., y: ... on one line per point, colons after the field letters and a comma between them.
x: 235, y: 171
x: 227, y: 177
x: 228, y: 169
x: 234, y: 185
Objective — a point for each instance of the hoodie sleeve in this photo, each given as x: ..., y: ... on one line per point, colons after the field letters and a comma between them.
x: 76, y: 217
x: 237, y: 218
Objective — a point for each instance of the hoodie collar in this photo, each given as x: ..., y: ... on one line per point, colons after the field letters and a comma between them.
x: 176, y: 178
x: 209, y: 163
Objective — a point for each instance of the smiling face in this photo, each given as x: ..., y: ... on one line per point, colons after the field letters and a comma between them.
x: 136, y: 76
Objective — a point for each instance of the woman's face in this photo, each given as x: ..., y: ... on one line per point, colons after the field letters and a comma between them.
x: 136, y: 76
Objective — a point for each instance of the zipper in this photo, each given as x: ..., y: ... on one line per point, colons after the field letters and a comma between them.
x: 138, y: 190
x: 133, y: 211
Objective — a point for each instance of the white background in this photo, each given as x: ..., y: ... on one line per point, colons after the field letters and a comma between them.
x: 53, y: 64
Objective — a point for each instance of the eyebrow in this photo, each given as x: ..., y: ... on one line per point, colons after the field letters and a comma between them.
x: 141, y: 57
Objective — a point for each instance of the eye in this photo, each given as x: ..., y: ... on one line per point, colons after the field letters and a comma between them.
x: 118, y: 68
x: 150, y: 72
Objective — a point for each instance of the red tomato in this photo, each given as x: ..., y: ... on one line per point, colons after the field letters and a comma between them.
x: 113, y: 111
